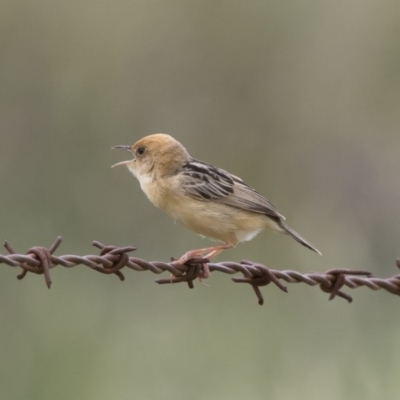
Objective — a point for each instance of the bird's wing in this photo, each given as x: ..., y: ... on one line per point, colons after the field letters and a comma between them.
x: 204, y: 182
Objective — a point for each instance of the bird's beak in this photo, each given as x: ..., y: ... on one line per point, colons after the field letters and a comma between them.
x: 122, y: 146
x: 125, y: 147
x: 121, y: 163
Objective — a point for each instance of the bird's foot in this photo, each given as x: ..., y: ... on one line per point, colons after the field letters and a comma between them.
x: 198, y: 253
x: 190, y: 255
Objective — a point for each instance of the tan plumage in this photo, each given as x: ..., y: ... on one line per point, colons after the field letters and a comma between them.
x: 205, y: 199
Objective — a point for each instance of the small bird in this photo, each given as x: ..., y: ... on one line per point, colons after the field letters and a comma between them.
x: 207, y: 200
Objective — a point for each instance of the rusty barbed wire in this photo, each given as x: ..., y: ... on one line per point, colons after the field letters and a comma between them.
x: 112, y: 259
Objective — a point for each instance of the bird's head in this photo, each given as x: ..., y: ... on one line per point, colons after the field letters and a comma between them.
x: 155, y: 155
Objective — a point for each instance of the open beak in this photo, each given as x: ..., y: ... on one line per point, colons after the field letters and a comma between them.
x: 125, y: 147
x: 121, y: 163
x: 122, y: 146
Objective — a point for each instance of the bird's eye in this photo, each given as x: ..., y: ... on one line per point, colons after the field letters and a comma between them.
x: 140, y: 151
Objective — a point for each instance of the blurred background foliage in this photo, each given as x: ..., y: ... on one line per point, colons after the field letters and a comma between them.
x: 300, y: 99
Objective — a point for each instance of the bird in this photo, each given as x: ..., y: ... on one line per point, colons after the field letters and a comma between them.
x: 205, y: 199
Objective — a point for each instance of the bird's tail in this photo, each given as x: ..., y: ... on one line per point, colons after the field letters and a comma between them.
x: 289, y: 231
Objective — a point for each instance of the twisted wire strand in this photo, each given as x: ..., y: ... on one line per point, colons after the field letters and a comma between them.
x: 112, y: 259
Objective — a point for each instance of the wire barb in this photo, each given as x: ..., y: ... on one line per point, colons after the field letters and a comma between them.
x: 112, y: 259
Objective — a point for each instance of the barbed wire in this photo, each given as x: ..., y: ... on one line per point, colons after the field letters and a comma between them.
x: 112, y: 259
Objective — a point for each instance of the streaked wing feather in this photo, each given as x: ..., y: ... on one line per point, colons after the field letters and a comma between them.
x: 205, y: 182
x: 247, y: 198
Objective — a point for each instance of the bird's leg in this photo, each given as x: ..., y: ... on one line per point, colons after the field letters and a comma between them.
x: 218, y: 249
x: 212, y: 252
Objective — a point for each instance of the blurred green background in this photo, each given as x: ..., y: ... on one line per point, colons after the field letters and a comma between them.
x: 300, y: 99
